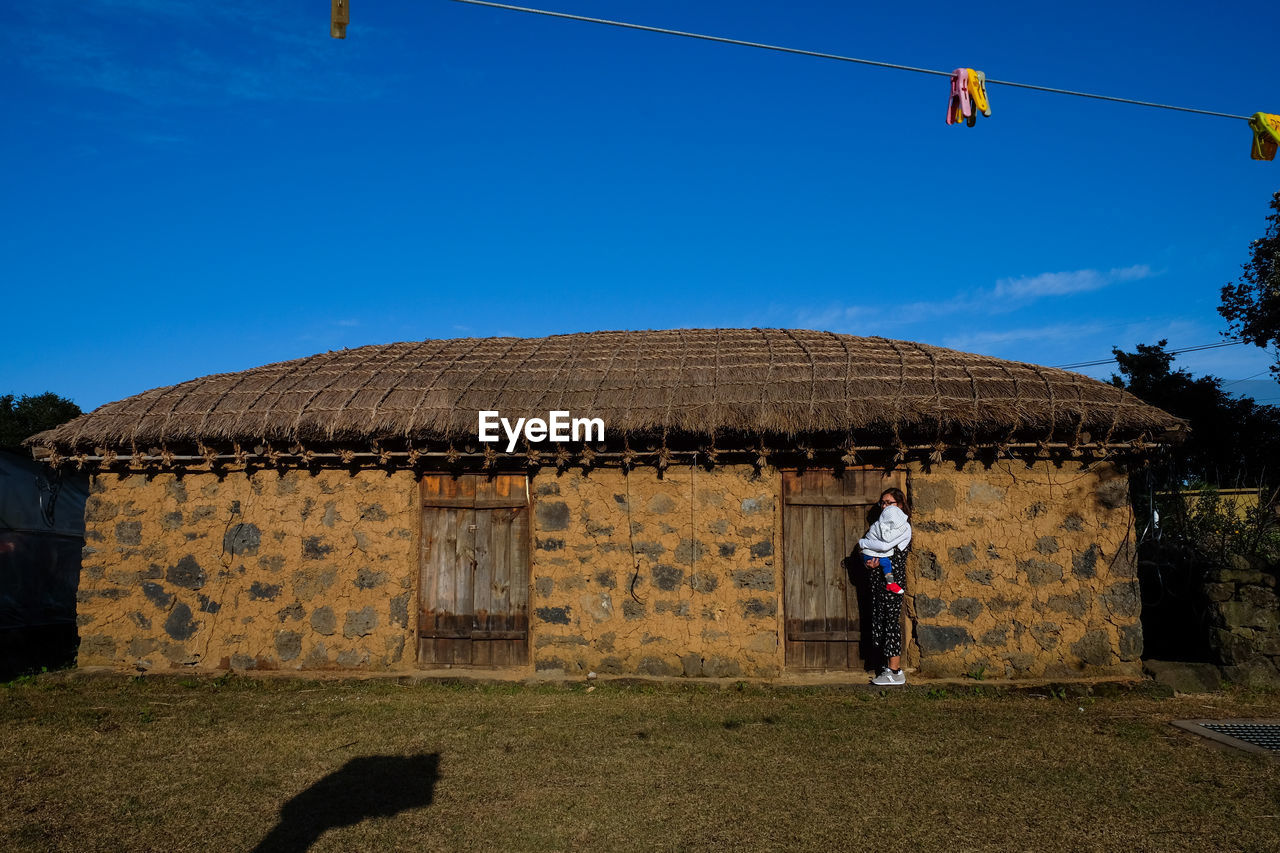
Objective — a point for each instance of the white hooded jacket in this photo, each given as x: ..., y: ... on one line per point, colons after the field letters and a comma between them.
x: 891, y: 530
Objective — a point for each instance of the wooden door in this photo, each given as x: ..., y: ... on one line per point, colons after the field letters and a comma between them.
x: 473, y: 582
x: 823, y: 517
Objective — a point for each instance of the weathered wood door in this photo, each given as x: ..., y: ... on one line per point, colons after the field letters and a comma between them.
x: 473, y: 583
x: 823, y: 517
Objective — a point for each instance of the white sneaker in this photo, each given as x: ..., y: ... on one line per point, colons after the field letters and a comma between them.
x: 887, y: 678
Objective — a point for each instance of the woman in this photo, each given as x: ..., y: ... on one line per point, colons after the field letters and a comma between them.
x: 886, y: 598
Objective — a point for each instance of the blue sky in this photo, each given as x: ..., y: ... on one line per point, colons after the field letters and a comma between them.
x: 199, y: 187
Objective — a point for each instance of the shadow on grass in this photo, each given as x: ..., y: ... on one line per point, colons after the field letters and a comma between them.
x: 372, y: 786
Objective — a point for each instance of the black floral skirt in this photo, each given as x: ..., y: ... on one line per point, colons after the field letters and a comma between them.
x: 886, y: 608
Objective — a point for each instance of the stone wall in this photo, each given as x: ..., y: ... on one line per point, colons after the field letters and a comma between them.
x: 1244, y: 615
x: 675, y: 575
x: 1023, y: 570
x: 1017, y: 570
x: 270, y: 570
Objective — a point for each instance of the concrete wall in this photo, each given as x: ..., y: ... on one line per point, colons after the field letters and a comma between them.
x: 1017, y: 571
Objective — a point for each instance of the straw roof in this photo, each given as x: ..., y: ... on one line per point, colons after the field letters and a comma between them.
x: 688, y: 381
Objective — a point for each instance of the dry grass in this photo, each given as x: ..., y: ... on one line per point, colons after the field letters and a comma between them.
x: 163, y: 764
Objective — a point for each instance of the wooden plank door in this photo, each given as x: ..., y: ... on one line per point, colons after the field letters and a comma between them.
x: 473, y: 580
x: 823, y: 516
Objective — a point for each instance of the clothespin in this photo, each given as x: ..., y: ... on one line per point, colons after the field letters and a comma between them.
x: 1266, y: 136
x: 959, y: 105
x: 978, y: 91
x: 340, y: 16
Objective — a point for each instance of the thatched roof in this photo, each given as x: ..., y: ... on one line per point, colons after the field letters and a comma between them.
x: 690, y: 381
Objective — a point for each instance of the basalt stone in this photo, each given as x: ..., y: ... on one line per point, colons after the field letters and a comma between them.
x: 171, y: 520
x: 761, y: 579
x: 928, y: 607
x: 97, y: 646
x: 752, y: 506
x: 756, y: 608
x: 1085, y: 564
x: 979, y: 576
x: 632, y: 609
x: 177, y: 490
x: 372, y: 512
x: 928, y: 497
x: 728, y: 549
x: 1036, y: 510
x: 720, y: 527
x: 705, y: 582
x: 1040, y: 572
x: 997, y: 636
x: 554, y: 615
x: 667, y: 578
x: 1131, y: 642
x: 1073, y: 522
x: 543, y: 586
x: 292, y: 612
x: 934, y: 639
x: 186, y: 574
x: 353, y: 657
x: 156, y: 595
x: 762, y: 549
x: 288, y: 645
x: 928, y: 566
x: 399, y: 610
x: 1093, y: 648
x: 966, y: 608
x: 272, y: 564
x: 689, y: 551
x: 359, y: 623
x: 660, y: 504
x: 963, y: 554
x: 547, y: 488
x: 552, y: 515
x: 259, y: 591
x: 207, y: 605
x: 1123, y: 599
x: 179, y: 625
x: 992, y: 552
x: 315, y: 548
x: 323, y: 621
x: 657, y: 666
x: 1047, y: 545
x: 129, y: 533
x: 985, y: 493
x: 367, y: 578
x: 653, y: 550
x: 331, y: 515
x: 111, y: 593
x: 1259, y: 597
x: 1046, y: 635
x: 243, y: 661
x: 544, y: 640
x: 934, y: 526
x: 675, y: 608
x: 140, y: 619
x: 1075, y: 605
x: 549, y: 544
x: 1113, y: 493
x: 242, y: 540
x: 140, y: 647
x: 203, y: 513
x: 606, y: 580
x: 98, y: 510
x: 692, y: 665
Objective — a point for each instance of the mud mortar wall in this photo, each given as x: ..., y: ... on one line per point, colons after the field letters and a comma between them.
x: 1016, y: 570
x: 268, y: 571
x: 675, y: 575
x: 1023, y: 571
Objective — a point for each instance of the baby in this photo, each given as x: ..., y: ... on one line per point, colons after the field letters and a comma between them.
x: 891, y: 532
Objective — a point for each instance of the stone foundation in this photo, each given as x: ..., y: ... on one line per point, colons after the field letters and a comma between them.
x: 1244, y: 615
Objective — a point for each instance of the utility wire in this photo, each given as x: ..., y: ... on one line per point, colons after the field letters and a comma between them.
x: 1198, y: 348
x: 779, y: 48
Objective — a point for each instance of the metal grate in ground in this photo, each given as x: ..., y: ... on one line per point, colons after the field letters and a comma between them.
x: 1250, y: 735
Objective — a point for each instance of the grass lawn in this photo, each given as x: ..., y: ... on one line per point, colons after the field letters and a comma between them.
x: 200, y: 764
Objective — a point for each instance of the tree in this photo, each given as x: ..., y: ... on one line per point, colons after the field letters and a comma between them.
x: 23, y: 417
x: 1251, y: 306
x: 1233, y: 442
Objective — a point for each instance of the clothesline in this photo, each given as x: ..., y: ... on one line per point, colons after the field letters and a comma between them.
x: 838, y: 57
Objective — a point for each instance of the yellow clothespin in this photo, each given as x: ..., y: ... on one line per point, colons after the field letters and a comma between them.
x: 978, y: 91
x: 1266, y: 136
x: 339, y: 17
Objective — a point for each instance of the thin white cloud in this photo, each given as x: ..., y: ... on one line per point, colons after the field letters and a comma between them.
x: 983, y: 341
x: 1062, y: 283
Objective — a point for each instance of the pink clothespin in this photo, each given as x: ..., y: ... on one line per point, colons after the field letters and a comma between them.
x: 959, y: 96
